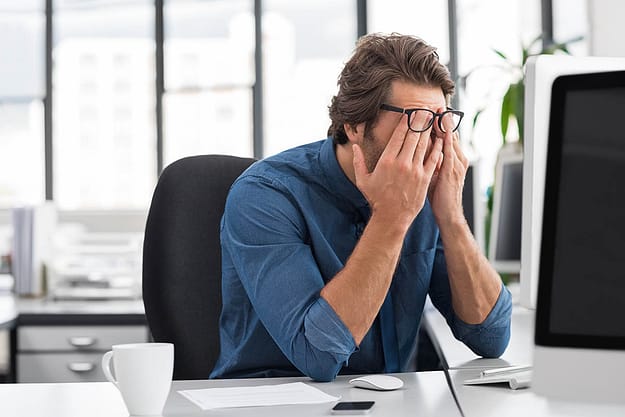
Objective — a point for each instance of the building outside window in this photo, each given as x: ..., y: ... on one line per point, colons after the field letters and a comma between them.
x: 104, y: 86
x: 209, y: 75
x: 104, y: 103
x: 22, y: 89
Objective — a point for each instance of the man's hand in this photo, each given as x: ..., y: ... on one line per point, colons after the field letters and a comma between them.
x: 396, y: 191
x: 448, y: 180
x: 397, y: 187
x: 475, y: 286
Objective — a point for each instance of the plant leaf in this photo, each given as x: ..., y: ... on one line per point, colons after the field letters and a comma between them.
x: 501, y: 54
x: 554, y: 47
x: 478, y: 113
x: 525, y: 53
x: 489, y: 215
x: 519, y: 91
x: 534, y: 41
x: 505, y: 112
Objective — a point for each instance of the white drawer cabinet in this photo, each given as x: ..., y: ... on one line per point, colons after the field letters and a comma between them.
x: 63, y: 338
x: 69, y: 353
x: 63, y: 341
x: 59, y: 367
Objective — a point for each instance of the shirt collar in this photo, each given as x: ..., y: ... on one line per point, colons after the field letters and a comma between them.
x: 337, y: 181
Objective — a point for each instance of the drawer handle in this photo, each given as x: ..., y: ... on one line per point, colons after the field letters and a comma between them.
x: 80, y: 367
x: 82, y: 341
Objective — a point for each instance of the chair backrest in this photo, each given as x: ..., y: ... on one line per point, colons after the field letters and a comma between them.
x: 182, y: 259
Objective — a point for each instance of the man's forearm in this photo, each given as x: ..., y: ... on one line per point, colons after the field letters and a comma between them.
x: 475, y: 286
x: 357, y: 292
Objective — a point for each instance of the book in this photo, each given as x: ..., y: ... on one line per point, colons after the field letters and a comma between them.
x: 33, y: 228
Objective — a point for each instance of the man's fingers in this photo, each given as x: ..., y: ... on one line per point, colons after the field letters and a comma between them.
x: 448, y: 151
x: 459, y: 153
x: 411, y: 142
x: 435, y: 157
x: 448, y: 122
x: 420, y: 120
x: 422, y: 146
x: 395, y: 143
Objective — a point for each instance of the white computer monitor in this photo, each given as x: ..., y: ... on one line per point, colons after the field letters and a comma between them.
x: 504, y: 251
x: 580, y: 317
x: 540, y: 72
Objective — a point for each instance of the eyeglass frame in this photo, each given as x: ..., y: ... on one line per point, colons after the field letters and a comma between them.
x: 410, y: 112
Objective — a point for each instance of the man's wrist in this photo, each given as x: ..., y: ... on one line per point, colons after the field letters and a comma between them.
x: 453, y: 225
x: 394, y: 226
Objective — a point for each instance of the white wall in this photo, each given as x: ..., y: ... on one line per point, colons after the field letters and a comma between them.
x: 607, y: 27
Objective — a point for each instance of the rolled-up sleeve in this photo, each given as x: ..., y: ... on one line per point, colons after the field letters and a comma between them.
x: 280, y: 276
x: 488, y: 339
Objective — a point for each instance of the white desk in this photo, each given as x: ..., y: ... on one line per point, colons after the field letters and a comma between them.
x: 41, y: 331
x: 499, y: 400
x: 40, y: 307
x: 424, y: 394
x: 458, y: 356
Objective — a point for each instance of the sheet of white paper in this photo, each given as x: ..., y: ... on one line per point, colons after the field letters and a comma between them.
x: 264, y: 395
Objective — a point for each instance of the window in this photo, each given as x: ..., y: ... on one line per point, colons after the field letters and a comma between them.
x: 570, y: 21
x: 209, y: 74
x: 304, y: 47
x: 104, y: 90
x: 486, y: 76
x: 104, y: 101
x: 22, y: 80
x: 423, y: 18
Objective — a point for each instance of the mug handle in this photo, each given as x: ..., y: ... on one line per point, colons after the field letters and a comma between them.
x: 106, y: 367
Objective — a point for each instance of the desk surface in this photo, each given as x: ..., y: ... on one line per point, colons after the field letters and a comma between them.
x: 424, y: 394
x: 45, y: 306
x: 498, y: 400
x: 15, y: 310
x: 11, y: 307
x: 458, y: 356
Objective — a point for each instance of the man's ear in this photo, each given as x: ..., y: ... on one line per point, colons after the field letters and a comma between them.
x: 355, y: 133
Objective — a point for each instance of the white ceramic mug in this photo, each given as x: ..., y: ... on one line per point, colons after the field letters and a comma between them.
x: 143, y: 374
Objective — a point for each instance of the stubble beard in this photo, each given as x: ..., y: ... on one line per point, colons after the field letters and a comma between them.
x: 372, y: 151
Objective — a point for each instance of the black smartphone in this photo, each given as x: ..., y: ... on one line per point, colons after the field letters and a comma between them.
x: 353, y: 407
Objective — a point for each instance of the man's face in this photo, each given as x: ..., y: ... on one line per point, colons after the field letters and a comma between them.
x: 405, y: 95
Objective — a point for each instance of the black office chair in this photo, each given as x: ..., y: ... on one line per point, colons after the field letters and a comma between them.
x: 182, y: 259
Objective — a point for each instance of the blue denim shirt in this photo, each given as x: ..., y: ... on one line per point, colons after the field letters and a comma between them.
x: 290, y: 223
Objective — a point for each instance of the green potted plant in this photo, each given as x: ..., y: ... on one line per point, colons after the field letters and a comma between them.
x: 512, y: 103
x: 512, y: 107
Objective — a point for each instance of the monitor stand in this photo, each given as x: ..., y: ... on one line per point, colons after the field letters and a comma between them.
x: 574, y: 374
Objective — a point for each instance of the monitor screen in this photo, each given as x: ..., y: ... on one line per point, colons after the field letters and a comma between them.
x: 472, y: 203
x: 505, y: 231
x: 581, y: 296
x: 468, y: 196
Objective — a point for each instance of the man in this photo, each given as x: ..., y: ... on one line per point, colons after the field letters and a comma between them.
x: 329, y: 249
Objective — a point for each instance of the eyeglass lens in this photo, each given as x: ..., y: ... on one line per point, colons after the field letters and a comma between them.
x: 421, y: 120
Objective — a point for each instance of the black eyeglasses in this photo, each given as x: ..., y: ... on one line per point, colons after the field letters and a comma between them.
x: 420, y: 120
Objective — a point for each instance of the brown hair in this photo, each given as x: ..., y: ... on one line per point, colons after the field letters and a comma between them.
x: 365, y: 82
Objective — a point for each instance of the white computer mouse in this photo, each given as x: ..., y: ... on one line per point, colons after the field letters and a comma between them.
x: 377, y: 382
